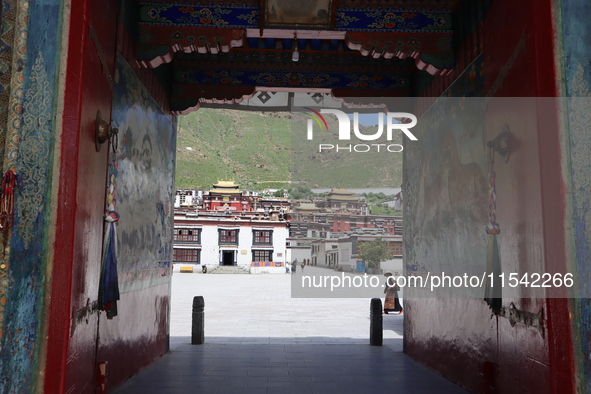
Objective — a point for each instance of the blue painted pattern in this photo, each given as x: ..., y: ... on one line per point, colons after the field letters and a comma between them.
x: 210, y: 16
x: 249, y: 16
x: 20, y: 341
x: 576, y: 33
x: 391, y: 20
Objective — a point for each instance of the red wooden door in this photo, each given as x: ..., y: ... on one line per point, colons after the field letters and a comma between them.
x: 73, y: 319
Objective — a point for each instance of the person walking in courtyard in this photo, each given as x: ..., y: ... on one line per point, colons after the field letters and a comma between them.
x: 391, y: 304
x: 303, y: 265
x: 294, y: 266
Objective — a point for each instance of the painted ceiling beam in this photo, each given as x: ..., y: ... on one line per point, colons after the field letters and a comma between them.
x: 170, y: 39
x: 302, y: 34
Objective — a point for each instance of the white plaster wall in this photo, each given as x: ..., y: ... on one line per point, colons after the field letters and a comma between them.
x: 280, y: 235
x: 244, y: 247
x: 346, y: 256
x: 209, y: 246
x: 210, y: 249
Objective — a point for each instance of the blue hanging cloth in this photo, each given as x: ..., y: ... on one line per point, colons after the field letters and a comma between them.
x: 109, y: 281
x: 109, y: 284
x: 493, y: 293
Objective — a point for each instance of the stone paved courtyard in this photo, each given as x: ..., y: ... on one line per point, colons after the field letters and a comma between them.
x: 259, y: 308
x: 258, y: 339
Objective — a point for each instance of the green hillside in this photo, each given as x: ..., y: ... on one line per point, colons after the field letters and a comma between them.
x: 250, y: 148
x: 260, y: 150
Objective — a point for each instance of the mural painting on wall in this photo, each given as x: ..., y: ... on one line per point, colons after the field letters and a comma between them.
x: 309, y: 13
x: 470, y: 83
x: 447, y: 187
x: 145, y: 181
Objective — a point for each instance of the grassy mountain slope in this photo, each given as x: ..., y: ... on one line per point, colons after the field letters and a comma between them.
x: 250, y: 148
x: 256, y: 150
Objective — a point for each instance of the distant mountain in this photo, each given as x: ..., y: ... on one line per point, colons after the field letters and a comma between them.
x: 269, y: 149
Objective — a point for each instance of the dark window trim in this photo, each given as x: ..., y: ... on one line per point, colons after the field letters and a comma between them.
x: 180, y: 255
x: 189, y: 235
x: 254, y: 237
x: 226, y: 242
x: 268, y: 252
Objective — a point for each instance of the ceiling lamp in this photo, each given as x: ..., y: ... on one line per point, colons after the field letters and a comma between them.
x: 295, y: 56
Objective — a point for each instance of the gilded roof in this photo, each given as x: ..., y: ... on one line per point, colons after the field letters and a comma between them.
x: 226, y: 191
x: 341, y: 191
x: 225, y: 184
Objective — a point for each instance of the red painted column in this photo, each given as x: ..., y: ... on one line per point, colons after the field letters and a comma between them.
x: 59, y: 310
x: 80, y: 198
x: 560, y: 341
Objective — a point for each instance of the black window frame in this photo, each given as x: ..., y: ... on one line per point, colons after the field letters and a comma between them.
x: 256, y: 239
x: 186, y: 253
x: 258, y: 252
x: 187, y: 235
x: 225, y: 238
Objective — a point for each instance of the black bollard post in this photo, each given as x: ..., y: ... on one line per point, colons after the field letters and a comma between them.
x: 198, y: 322
x: 376, y: 332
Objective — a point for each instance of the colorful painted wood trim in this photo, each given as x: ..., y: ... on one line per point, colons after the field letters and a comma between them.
x: 155, y: 49
x: 432, y: 52
x: 210, y: 94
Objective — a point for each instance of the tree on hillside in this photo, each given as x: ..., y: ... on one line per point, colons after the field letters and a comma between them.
x: 374, y: 252
x: 300, y: 193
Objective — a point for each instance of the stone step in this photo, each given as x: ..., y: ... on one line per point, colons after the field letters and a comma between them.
x: 227, y: 269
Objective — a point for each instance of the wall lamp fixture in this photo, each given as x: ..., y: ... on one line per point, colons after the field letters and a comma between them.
x: 501, y: 143
x: 295, y: 56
